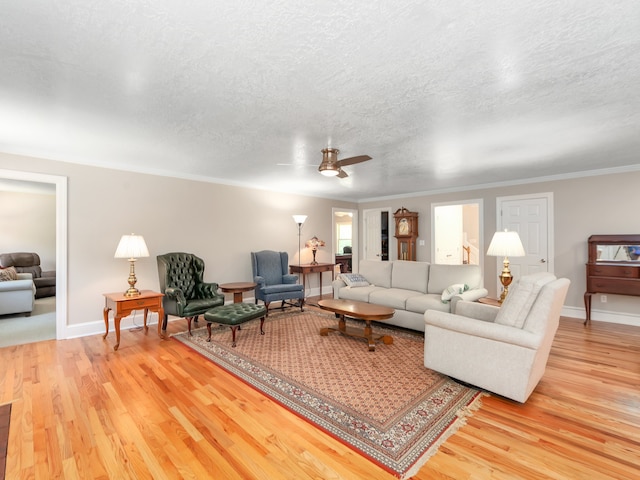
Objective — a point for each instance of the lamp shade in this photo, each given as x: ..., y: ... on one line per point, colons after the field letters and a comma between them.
x: 299, y: 219
x: 506, y: 244
x: 315, y: 242
x: 131, y: 246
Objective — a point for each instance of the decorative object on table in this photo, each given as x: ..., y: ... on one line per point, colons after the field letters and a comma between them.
x: 273, y: 283
x: 505, y: 244
x: 331, y: 385
x: 186, y: 294
x: 507, y: 359
x: 132, y: 247
x: 299, y: 219
x: 313, y: 244
x: 406, y: 233
x: 332, y: 167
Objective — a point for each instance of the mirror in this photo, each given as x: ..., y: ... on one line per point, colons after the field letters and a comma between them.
x: 617, y: 253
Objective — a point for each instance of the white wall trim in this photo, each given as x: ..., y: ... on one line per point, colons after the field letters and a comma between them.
x: 60, y: 183
x: 602, y: 316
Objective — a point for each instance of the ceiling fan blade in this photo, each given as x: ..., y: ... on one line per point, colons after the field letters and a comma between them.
x: 342, y: 174
x: 353, y: 160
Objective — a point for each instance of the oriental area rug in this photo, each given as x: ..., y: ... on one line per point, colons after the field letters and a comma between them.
x: 383, y: 404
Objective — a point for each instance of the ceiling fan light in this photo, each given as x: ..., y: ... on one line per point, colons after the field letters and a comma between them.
x: 328, y: 171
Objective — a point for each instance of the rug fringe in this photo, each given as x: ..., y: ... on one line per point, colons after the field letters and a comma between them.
x: 463, y: 414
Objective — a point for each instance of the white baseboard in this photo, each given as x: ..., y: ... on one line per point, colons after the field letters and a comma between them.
x: 136, y: 320
x: 602, y: 316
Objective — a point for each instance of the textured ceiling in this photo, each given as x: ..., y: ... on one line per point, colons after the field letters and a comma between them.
x: 443, y: 94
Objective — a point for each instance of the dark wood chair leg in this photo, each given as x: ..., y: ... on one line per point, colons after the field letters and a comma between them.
x: 209, y: 331
x: 262, y: 326
x: 266, y: 305
x: 189, y: 324
x: 233, y: 335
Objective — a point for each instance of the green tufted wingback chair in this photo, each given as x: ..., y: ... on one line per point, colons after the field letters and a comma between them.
x: 186, y: 295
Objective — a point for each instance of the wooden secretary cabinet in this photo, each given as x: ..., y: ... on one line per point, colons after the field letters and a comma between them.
x: 613, y: 267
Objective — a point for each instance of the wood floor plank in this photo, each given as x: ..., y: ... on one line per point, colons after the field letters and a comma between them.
x: 155, y: 409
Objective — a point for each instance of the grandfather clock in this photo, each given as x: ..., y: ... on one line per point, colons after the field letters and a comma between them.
x: 406, y: 233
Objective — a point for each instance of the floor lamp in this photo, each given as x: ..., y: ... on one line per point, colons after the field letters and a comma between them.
x: 299, y: 219
x: 505, y: 244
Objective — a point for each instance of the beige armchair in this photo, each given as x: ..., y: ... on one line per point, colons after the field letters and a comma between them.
x: 500, y: 349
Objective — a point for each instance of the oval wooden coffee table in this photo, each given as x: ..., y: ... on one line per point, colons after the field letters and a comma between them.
x: 359, y: 310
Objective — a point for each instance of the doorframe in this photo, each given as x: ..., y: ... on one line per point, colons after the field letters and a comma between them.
x: 474, y: 201
x: 60, y: 183
x: 550, y: 222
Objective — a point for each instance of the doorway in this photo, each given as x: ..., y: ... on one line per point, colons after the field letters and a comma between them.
x: 60, y: 184
x: 457, y: 233
x: 345, y: 238
x: 376, y: 234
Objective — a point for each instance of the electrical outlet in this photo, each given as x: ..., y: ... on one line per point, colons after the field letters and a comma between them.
x: 603, y: 298
x: 421, y: 243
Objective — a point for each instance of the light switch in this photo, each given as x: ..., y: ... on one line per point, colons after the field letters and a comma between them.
x: 421, y: 243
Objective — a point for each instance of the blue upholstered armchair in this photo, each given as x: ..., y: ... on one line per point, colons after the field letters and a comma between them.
x: 185, y: 293
x: 273, y: 282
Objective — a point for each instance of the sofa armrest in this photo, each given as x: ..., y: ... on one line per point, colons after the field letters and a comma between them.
x: 289, y: 278
x: 337, y: 284
x: 207, y: 290
x: 17, y: 285
x: 176, y: 295
x: 468, y: 296
x: 479, y: 311
x: 477, y: 328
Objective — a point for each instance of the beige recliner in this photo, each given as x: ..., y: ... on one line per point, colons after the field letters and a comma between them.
x: 500, y: 349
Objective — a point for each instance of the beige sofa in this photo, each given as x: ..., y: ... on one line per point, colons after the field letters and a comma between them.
x: 412, y: 288
x: 17, y: 296
x: 501, y: 349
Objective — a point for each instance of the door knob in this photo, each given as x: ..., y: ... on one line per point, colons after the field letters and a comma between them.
x: 542, y: 260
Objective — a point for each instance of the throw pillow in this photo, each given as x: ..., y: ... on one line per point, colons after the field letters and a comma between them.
x: 7, y: 274
x: 453, y: 290
x: 354, y: 280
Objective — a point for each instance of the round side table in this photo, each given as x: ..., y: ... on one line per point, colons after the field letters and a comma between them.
x: 237, y: 288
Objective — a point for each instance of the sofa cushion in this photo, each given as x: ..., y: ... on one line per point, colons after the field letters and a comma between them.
x: 442, y: 276
x: 361, y: 294
x: 516, y: 306
x: 428, y: 301
x: 354, y: 280
x: 410, y: 275
x: 7, y: 274
x: 377, y: 273
x: 392, y: 297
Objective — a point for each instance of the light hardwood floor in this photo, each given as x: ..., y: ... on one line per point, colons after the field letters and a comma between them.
x: 155, y: 409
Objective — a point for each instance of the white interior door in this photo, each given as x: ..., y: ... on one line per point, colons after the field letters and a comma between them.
x: 532, y: 217
x: 372, y: 226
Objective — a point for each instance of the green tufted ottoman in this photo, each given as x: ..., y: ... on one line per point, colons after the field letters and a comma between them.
x: 234, y: 315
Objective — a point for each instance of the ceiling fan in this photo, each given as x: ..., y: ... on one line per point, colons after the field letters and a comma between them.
x: 332, y: 167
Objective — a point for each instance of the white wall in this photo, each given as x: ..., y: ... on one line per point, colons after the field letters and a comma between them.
x: 28, y: 224
x: 220, y: 223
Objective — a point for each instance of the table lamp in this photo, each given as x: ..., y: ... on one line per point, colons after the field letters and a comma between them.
x: 314, y: 243
x: 132, y: 247
x: 505, y: 244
